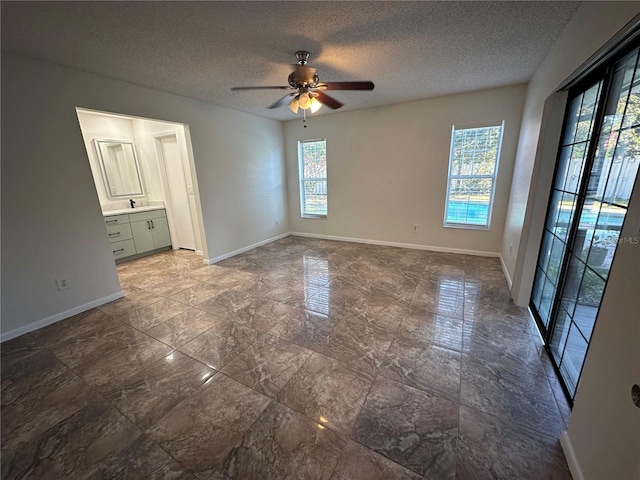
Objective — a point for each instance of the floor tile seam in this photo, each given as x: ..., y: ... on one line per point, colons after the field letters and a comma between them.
x: 357, y: 417
x: 193, y: 393
x: 310, y: 348
x: 169, y: 297
x: 435, y: 312
x: 165, y: 280
x: 525, y: 430
x: 73, y: 369
x: 491, y: 363
x: 256, y: 390
x: 391, y: 460
x: 68, y: 370
x: 158, y: 360
x: 555, y: 397
x: 180, y: 464
x: 156, y: 324
x: 523, y: 334
x: 126, y: 311
x: 250, y: 343
x: 244, y: 432
x: 97, y: 397
x: 199, y: 305
x: 420, y: 391
x: 458, y: 433
x: 128, y: 325
x: 529, y: 427
x: 426, y: 344
x: 344, y: 369
x: 316, y: 421
x: 432, y: 389
x: 384, y: 455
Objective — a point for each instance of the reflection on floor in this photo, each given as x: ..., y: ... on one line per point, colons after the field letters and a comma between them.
x: 299, y: 359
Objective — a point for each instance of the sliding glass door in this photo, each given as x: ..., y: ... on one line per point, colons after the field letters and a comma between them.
x: 595, y: 174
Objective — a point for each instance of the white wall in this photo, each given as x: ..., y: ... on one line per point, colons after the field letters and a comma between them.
x: 593, y: 24
x: 51, y: 217
x: 388, y: 166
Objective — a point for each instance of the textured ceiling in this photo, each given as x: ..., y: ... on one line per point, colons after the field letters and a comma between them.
x: 410, y: 50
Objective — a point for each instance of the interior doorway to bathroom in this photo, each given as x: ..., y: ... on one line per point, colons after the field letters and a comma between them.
x: 160, y: 164
x: 179, y: 190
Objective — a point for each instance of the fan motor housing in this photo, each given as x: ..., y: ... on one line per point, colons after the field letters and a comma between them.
x: 303, y: 76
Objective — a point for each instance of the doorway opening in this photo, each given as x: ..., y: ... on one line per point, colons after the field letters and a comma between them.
x: 145, y: 181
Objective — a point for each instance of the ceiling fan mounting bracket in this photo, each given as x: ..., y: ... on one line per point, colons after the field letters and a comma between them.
x: 302, y: 56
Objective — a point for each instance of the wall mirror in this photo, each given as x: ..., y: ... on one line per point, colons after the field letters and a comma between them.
x: 120, y: 168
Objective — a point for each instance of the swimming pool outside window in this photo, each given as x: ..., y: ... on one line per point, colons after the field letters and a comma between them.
x: 473, y: 167
x: 312, y: 158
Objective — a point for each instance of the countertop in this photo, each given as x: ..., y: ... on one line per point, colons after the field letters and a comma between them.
x: 121, y: 211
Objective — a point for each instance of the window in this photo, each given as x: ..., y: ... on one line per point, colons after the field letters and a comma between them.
x: 312, y: 158
x: 473, y: 166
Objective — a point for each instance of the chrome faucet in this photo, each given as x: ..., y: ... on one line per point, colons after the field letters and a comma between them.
x: 133, y: 204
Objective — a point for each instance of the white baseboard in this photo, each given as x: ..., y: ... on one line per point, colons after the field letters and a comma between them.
x: 59, y: 316
x: 199, y: 253
x: 570, y: 455
x: 211, y: 261
x: 506, y: 272
x: 414, y: 246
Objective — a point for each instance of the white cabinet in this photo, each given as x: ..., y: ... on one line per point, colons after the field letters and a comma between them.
x: 138, y: 233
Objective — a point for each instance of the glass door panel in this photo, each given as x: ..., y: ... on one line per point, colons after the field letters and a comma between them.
x: 596, y: 173
x: 562, y: 206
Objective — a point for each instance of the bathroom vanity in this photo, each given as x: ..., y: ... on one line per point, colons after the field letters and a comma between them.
x: 137, y: 232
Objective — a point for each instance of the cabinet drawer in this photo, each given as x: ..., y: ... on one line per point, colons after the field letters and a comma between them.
x: 124, y: 248
x: 117, y: 233
x: 116, y: 219
x: 150, y: 215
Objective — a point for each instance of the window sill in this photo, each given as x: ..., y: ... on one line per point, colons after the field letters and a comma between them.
x: 314, y: 217
x: 466, y: 226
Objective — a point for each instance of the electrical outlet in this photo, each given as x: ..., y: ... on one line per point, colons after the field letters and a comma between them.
x: 277, y: 222
x: 63, y: 283
x: 415, y: 227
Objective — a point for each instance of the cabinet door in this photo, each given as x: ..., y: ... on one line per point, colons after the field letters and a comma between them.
x: 160, y: 231
x: 142, y: 236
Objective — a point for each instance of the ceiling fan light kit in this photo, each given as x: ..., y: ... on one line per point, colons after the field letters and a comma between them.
x: 308, y: 91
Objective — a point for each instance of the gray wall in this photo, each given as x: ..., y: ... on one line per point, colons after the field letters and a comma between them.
x: 51, y: 219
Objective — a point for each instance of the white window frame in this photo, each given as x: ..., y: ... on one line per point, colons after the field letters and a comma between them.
x: 301, y: 180
x: 494, y: 177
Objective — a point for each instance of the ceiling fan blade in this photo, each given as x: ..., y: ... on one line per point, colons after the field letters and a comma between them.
x: 346, y: 85
x: 327, y: 100
x: 283, y: 101
x: 263, y: 88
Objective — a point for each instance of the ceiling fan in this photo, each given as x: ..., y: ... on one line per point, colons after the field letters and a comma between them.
x: 307, y: 92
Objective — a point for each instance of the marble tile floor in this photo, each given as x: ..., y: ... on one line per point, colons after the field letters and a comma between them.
x: 301, y: 359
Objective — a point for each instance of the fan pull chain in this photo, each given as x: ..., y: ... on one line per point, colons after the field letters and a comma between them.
x: 304, y: 118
